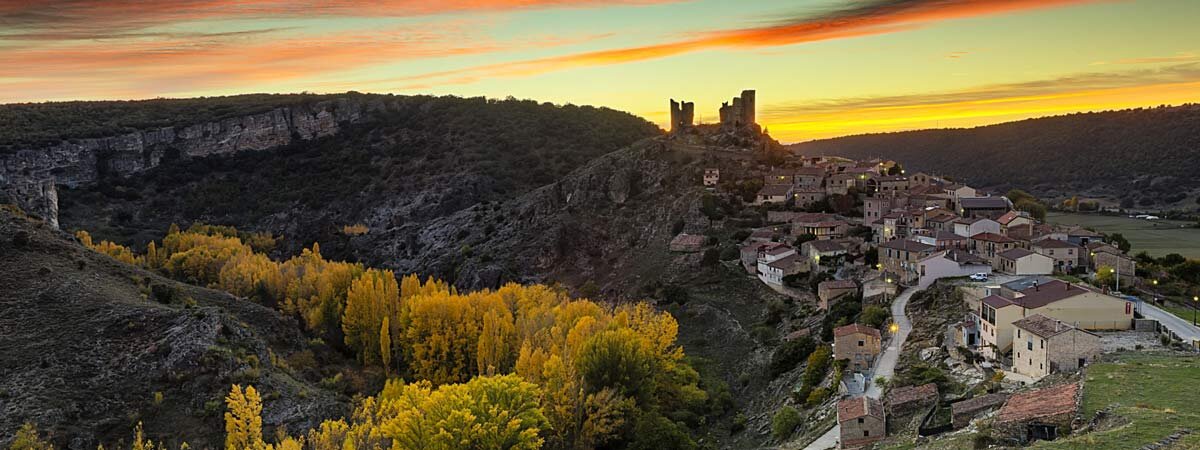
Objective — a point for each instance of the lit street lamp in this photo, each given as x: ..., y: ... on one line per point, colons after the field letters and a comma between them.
x: 894, y: 328
x: 1195, y: 300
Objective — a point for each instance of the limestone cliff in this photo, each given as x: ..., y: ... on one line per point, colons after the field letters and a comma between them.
x: 29, y: 176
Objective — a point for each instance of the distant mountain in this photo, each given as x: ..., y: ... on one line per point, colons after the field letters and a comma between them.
x: 1145, y: 155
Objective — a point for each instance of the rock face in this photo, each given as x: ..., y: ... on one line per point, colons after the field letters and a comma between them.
x: 29, y: 175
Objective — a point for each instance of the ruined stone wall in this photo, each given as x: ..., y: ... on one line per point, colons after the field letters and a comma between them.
x: 28, y: 176
x: 682, y: 115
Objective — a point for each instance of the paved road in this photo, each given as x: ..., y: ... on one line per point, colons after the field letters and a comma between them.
x: 1182, y: 327
x: 885, y: 365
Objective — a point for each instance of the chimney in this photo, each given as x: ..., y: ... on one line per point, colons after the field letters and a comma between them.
x: 1056, y: 325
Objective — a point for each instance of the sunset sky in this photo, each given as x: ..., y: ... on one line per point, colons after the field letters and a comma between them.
x: 821, y: 68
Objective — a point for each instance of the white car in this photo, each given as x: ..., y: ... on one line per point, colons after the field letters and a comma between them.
x: 981, y: 276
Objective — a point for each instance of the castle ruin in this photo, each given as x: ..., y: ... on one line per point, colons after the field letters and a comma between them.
x: 737, y: 115
x: 741, y: 112
x: 682, y: 115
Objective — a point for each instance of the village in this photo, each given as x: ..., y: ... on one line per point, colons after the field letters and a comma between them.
x: 1039, y: 302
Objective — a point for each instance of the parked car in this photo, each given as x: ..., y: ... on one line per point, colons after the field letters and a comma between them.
x: 981, y: 276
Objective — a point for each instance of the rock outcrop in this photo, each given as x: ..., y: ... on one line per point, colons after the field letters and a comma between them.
x: 29, y: 175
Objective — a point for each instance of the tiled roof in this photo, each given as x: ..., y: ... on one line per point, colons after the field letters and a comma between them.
x: 958, y: 256
x: 784, y: 262
x: 996, y: 301
x: 1015, y: 253
x: 942, y: 218
x: 853, y: 408
x: 943, y: 235
x: 905, y: 244
x: 775, y: 190
x: 779, y: 250
x: 853, y: 328
x: 993, y: 237
x: 1050, y: 292
x: 1043, y: 326
x: 1045, y: 402
x: 908, y: 394
x: 977, y: 403
x: 837, y: 284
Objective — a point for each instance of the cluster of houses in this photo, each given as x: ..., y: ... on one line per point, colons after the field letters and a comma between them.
x: 923, y: 228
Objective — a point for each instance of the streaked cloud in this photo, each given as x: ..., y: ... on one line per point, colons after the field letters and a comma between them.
x: 866, y: 19
x: 1176, y: 58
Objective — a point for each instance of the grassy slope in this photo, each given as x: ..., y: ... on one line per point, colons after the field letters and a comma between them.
x: 1150, y: 391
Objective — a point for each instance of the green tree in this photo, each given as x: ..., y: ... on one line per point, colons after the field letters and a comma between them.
x: 874, y: 316
x: 785, y: 422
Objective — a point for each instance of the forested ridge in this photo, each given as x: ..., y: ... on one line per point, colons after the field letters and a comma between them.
x: 1151, y: 150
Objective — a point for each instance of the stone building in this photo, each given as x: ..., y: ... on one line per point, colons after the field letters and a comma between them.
x: 907, y: 400
x: 682, y: 115
x: 741, y: 112
x: 1042, y: 414
x: 862, y: 422
x: 1042, y: 346
x: 857, y: 343
x: 712, y: 176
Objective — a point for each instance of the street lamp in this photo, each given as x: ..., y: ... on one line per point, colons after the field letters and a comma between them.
x: 1195, y: 300
x: 894, y: 328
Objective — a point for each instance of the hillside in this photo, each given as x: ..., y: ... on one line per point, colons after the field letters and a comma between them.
x: 1144, y: 156
x: 92, y: 346
x: 417, y: 159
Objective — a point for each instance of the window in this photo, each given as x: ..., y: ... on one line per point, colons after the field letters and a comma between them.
x: 1029, y: 345
x: 860, y: 343
x: 1043, y: 343
x: 860, y: 420
x: 866, y: 433
x: 1041, y: 366
x: 1018, y: 333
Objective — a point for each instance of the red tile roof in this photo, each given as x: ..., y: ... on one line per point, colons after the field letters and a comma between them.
x: 853, y: 408
x: 905, y: 244
x: 854, y: 328
x: 1015, y: 253
x: 1053, y: 243
x: 1046, y: 402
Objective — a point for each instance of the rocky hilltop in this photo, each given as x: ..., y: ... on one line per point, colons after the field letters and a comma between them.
x: 89, y: 347
x: 29, y: 175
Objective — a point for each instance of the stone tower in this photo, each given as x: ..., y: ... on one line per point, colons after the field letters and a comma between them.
x: 682, y: 115
x: 741, y: 112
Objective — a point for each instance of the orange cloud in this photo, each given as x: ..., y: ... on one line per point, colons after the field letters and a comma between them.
x: 108, y: 19
x: 872, y: 18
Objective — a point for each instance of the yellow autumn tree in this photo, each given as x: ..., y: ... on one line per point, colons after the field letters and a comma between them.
x: 243, y: 419
x: 385, y: 344
x: 370, y: 298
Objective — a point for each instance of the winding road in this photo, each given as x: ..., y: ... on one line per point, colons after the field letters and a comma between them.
x: 885, y: 365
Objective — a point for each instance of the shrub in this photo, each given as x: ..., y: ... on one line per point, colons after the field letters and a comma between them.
x: 874, y: 316
x: 675, y: 294
x: 786, y: 420
x: 711, y: 257
x: 791, y: 353
x: 817, y: 396
x: 737, y: 424
x: 165, y: 293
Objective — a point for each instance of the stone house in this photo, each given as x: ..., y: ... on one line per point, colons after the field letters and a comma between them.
x: 942, y: 240
x: 712, y: 177
x: 687, y: 243
x: 1083, y: 308
x: 1018, y: 261
x: 830, y: 290
x: 809, y: 177
x: 941, y: 222
x: 875, y: 206
x: 858, y: 344
x: 862, y: 422
x: 962, y: 412
x: 1064, y: 254
x: 773, y: 193
x: 900, y: 258
x: 1082, y: 236
x: 988, y: 245
x: 895, y: 224
x: 751, y: 252
x: 948, y: 264
x: 823, y: 253
x: 777, y: 177
x: 823, y: 226
x: 840, y: 183
x: 1105, y: 255
x: 1042, y: 414
x: 1042, y: 346
x: 804, y: 196
x: 893, y: 183
x: 957, y: 192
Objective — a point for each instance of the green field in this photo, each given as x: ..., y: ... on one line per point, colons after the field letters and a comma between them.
x: 1153, y: 392
x: 1156, y: 237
